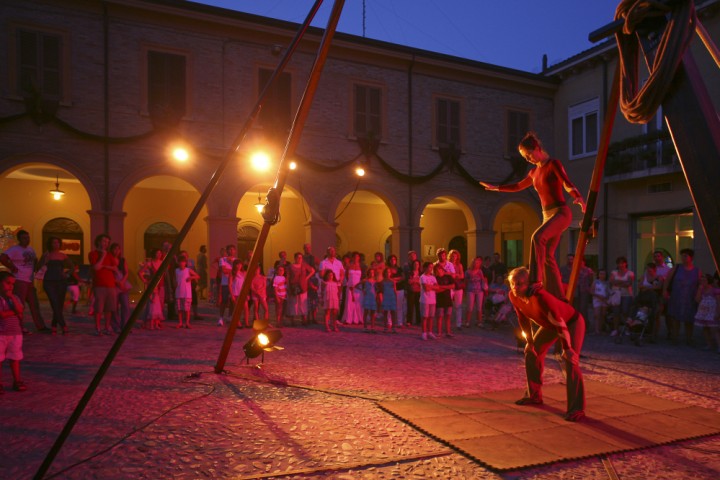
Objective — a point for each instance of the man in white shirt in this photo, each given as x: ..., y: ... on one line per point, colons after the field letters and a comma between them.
x: 21, y: 260
x: 332, y: 263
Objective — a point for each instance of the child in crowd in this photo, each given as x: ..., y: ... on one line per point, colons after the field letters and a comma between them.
x: 73, y: 287
x: 183, y: 290
x: 388, y: 303
x: 280, y: 290
x: 11, y: 336
x: 443, y: 299
x: 600, y: 292
x: 707, y: 312
x: 369, y: 301
x: 428, y: 300
x: 237, y: 277
x: 330, y: 300
x: 258, y: 292
x: 313, y: 297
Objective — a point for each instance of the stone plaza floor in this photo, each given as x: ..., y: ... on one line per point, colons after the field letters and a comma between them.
x: 310, y: 410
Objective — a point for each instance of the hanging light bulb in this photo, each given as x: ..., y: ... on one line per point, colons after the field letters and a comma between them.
x: 259, y: 205
x: 56, y: 192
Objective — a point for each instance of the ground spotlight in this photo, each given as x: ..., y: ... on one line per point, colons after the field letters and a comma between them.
x: 263, y: 340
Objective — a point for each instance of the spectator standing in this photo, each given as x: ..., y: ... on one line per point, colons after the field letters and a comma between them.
x: 398, y: 277
x: 154, y: 313
x: 298, y: 275
x: 428, y: 300
x: 680, y: 289
x: 330, y: 300
x: 308, y: 256
x: 663, y: 271
x: 104, y: 266
x: 583, y: 289
x: 707, y: 312
x: 368, y: 301
x: 11, y: 335
x: 353, y: 312
x: 225, y: 266
x: 280, y: 292
x: 123, y: 285
x: 332, y: 263
x: 184, y: 278
x: 237, y: 277
x: 621, y: 280
x: 258, y: 291
x: 459, y: 286
x: 170, y: 283
x: 57, y: 265
x: 201, y: 264
x: 476, y: 289
x: 443, y: 300
x: 497, y: 267
x: 600, y: 294
x: 566, y: 270
x: 21, y: 260
x: 412, y: 289
x: 389, y: 304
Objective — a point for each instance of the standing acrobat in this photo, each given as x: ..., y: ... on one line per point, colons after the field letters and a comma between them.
x: 548, y: 177
x: 557, y: 320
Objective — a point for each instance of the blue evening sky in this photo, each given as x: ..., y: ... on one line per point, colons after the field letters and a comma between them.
x: 510, y: 33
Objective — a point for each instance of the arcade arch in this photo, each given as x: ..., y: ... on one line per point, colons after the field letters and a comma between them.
x: 444, y: 223
x: 514, y: 224
x: 364, y: 219
x: 160, y: 204
x: 27, y: 204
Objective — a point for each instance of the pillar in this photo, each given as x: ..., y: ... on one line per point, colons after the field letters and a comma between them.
x: 320, y: 235
x: 480, y: 243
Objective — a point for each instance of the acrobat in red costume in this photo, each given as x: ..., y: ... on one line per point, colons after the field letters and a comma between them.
x: 549, y: 178
x: 557, y: 320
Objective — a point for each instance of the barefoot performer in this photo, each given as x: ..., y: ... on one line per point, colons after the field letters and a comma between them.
x: 557, y: 320
x: 548, y: 177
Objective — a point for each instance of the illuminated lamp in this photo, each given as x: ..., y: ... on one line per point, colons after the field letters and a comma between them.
x: 259, y: 205
x: 56, y: 192
x: 359, y: 169
x: 263, y: 341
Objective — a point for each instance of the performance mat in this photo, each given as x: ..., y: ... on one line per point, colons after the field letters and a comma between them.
x: 494, y: 431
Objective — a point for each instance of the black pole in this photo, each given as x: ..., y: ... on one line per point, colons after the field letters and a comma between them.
x: 272, y: 207
x: 47, y: 462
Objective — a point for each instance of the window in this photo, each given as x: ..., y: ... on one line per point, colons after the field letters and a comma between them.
x: 669, y: 233
x: 447, y: 122
x: 367, y: 111
x: 518, y: 124
x: 583, y: 127
x: 166, y: 84
x: 276, y: 115
x: 39, y: 61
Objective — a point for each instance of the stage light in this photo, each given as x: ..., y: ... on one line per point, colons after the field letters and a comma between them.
x: 263, y: 341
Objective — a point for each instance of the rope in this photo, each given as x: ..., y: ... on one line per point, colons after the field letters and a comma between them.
x: 640, y: 106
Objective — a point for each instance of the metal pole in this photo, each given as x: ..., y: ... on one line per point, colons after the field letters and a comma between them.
x: 272, y: 203
x: 47, y: 462
x: 595, y: 182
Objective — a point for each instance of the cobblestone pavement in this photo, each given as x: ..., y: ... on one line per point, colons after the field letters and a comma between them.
x: 309, y: 411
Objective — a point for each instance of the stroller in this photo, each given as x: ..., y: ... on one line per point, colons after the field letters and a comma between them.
x: 643, y: 313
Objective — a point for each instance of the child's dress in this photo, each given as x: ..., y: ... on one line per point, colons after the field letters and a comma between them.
x: 707, y: 309
x: 279, y: 287
x: 331, y: 298
x: 389, y: 300
x: 600, y: 289
x: 369, y: 295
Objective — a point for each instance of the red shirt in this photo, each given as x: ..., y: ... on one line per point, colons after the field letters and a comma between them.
x: 103, y: 277
x: 546, y: 310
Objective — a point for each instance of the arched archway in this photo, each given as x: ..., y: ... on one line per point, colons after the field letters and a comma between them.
x: 363, y: 220
x: 444, y: 222
x: 247, y: 236
x: 515, y: 223
x: 156, y: 234
x: 70, y: 234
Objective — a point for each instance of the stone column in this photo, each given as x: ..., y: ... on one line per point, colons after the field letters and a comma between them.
x: 405, y: 239
x: 320, y: 235
x: 480, y: 243
x: 222, y: 231
x: 115, y: 226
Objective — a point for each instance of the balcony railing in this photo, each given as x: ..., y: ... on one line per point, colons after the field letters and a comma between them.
x: 643, y: 153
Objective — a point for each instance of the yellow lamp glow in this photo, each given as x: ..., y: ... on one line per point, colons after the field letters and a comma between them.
x: 293, y: 165
x: 181, y: 154
x: 260, y: 161
x: 56, y: 192
x: 359, y: 171
x: 259, y: 205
